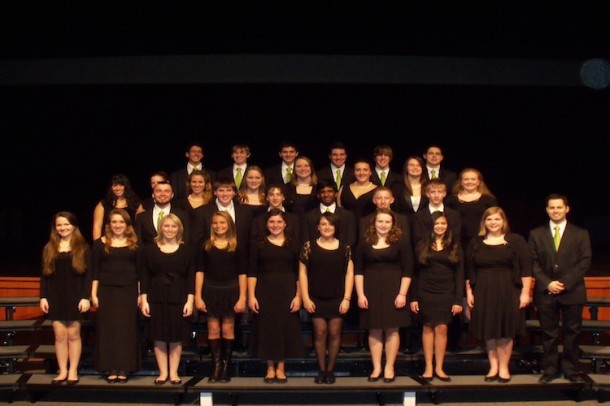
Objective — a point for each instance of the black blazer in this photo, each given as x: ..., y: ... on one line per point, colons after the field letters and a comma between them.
x: 391, y: 178
x: 346, y: 225
x: 227, y: 173
x: 178, y: 179
x: 402, y: 203
x: 569, y: 264
x: 258, y: 229
x: 448, y: 177
x: 145, y: 225
x: 274, y: 175
x: 202, y: 223
x: 327, y: 173
x: 422, y: 223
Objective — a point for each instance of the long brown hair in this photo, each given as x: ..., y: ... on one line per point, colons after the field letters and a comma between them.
x: 130, y: 234
x: 394, y: 234
x: 78, y: 246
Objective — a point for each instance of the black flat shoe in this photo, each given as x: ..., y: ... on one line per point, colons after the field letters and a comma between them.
x: 427, y: 378
x: 122, y: 379
x: 503, y: 380
x: 112, y: 380
x: 491, y: 378
x: 443, y: 378
x: 330, y: 378
x: 374, y: 378
x: 389, y: 380
x: 176, y: 382
x: 281, y: 380
x: 320, y: 378
x: 548, y: 378
x: 160, y: 381
x: 269, y: 379
x: 72, y: 381
x: 58, y: 381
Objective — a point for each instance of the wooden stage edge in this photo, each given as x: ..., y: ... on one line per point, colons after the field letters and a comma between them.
x: 36, y: 384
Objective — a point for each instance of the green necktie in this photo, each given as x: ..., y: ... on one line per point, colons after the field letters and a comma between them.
x: 556, y: 238
x: 159, y: 218
x: 433, y: 174
x: 288, y: 177
x: 338, y: 178
x: 382, y: 178
x: 238, y: 176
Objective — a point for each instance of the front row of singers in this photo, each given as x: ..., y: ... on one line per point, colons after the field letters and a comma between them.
x: 276, y: 277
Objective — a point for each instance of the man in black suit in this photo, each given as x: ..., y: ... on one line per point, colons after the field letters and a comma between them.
x: 433, y: 157
x: 346, y: 222
x: 562, y: 257
x: 224, y: 191
x: 146, y: 222
x: 240, y: 154
x: 282, y: 173
x: 436, y: 190
x: 179, y: 177
x: 338, y: 171
x: 383, y: 175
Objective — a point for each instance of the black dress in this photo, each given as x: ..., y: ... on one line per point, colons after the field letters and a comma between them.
x: 383, y: 270
x: 495, y: 273
x: 167, y: 280
x: 300, y: 204
x: 277, y: 331
x: 117, y: 338
x: 437, y: 286
x: 470, y: 214
x: 326, y: 271
x: 64, y: 289
x: 361, y: 206
x: 221, y: 270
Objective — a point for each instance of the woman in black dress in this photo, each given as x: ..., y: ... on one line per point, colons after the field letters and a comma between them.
x: 274, y: 298
x: 499, y: 275
x: 167, y: 287
x: 302, y: 190
x: 65, y: 287
x: 326, y: 277
x: 357, y: 197
x: 383, y: 266
x: 220, y: 291
x: 116, y: 257
x: 436, y: 291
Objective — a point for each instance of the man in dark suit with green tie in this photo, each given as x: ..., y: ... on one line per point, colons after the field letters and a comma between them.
x: 562, y: 257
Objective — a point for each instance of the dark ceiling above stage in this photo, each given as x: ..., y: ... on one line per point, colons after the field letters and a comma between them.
x: 50, y: 29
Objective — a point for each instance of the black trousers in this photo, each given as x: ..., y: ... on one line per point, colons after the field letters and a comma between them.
x: 560, y: 321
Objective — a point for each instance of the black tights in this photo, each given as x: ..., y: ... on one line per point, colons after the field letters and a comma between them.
x: 327, y: 331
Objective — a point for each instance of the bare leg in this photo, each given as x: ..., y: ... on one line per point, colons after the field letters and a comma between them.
x: 492, y: 355
x: 162, y: 359
x: 228, y: 328
x: 280, y: 371
x: 270, y: 370
x: 440, y: 347
x: 320, y: 332
x: 75, y: 347
x: 505, y: 349
x: 392, y: 345
x: 175, y: 352
x: 376, y: 350
x: 61, y: 349
x: 427, y: 338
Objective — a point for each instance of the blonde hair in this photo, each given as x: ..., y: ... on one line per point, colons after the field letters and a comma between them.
x: 231, y: 233
x: 243, y: 187
x: 489, y: 212
x: 483, y: 189
x: 313, y: 178
x: 175, y: 219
